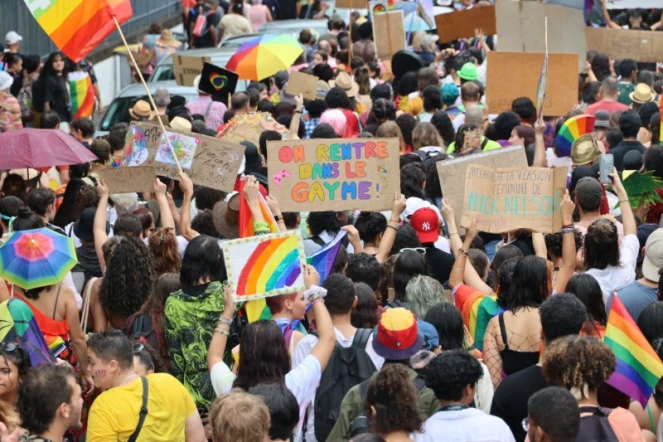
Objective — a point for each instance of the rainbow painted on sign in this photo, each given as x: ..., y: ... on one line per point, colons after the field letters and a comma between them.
x: 265, y: 265
x: 218, y: 81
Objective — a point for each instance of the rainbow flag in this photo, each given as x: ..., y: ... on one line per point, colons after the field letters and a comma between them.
x: 638, y: 366
x: 323, y: 260
x: 477, y: 310
x: 78, y: 26
x: 245, y: 218
x: 82, y: 94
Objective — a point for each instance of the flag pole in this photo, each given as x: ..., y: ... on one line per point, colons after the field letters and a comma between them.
x: 147, y: 90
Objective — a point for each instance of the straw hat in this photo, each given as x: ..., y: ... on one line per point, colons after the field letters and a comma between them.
x: 345, y: 82
x: 179, y: 123
x: 225, y: 216
x: 642, y: 94
x: 584, y: 150
x: 167, y: 38
x: 141, y: 111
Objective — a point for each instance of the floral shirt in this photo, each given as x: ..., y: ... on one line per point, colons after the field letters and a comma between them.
x: 10, y: 113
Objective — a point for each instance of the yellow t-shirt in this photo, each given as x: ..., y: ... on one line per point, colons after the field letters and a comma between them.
x: 114, y: 414
x: 414, y: 105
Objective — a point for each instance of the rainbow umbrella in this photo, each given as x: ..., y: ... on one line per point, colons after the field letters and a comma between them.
x: 265, y: 56
x: 36, y: 258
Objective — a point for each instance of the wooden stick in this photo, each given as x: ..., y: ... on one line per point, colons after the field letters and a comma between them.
x: 142, y: 80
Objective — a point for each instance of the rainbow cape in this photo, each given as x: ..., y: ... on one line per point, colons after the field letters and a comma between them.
x: 477, y: 310
x: 82, y: 94
x: 78, y: 26
x: 638, y: 366
x: 323, y: 260
x: 18, y: 325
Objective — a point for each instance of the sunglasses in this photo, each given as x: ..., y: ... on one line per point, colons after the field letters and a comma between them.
x: 8, y: 346
x: 421, y: 250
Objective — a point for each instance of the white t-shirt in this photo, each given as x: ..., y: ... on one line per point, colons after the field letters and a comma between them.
x: 303, y: 351
x: 302, y: 381
x: 468, y: 425
x: 612, y: 277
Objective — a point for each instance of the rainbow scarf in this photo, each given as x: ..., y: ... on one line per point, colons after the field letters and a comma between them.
x: 82, y: 94
x: 477, y: 310
x: 639, y: 368
x: 78, y: 26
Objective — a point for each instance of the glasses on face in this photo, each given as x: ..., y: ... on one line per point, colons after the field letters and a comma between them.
x: 421, y: 250
x: 138, y: 347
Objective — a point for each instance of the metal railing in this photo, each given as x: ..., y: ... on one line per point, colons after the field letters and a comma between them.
x: 15, y: 16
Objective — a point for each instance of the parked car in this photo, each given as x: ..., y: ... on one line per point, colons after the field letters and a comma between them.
x: 218, y: 56
x: 235, y: 41
x: 294, y: 27
x: 118, y: 111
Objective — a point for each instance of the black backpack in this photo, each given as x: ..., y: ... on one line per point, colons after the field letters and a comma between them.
x: 346, y: 368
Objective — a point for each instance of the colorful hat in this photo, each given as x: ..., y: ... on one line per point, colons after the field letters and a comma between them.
x: 571, y: 131
x: 396, y: 337
x: 468, y: 72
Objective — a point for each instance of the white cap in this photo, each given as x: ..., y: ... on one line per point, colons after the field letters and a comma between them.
x: 12, y: 37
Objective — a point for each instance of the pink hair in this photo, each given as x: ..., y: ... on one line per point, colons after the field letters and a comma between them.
x: 336, y: 119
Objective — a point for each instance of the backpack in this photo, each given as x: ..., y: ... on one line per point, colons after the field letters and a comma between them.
x: 200, y: 27
x: 347, y: 368
x: 595, y: 425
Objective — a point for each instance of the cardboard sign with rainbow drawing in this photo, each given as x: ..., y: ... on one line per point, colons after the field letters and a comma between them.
x: 266, y: 265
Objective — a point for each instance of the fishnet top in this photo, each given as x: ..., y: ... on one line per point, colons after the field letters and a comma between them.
x: 522, y: 333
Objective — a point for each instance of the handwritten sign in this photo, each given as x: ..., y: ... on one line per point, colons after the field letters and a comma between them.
x: 186, y: 68
x: 334, y: 174
x: 505, y: 67
x: 129, y: 179
x: 208, y: 161
x: 642, y: 46
x: 461, y: 24
x: 266, y: 265
x: 503, y: 200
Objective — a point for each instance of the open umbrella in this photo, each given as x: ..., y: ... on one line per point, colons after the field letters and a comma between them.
x: 264, y: 56
x: 37, y: 148
x: 36, y: 258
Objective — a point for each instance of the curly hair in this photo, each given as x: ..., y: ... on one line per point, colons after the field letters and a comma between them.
x: 601, y: 246
x: 392, y: 384
x: 406, y: 123
x: 164, y: 251
x: 450, y: 372
x: 554, y: 243
x: 579, y: 364
x: 370, y: 225
x: 319, y: 222
x: 203, y: 223
x: 86, y: 197
x: 406, y: 237
x: 129, y: 278
x: 444, y: 126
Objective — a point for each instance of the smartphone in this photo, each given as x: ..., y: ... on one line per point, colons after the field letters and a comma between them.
x: 607, y: 165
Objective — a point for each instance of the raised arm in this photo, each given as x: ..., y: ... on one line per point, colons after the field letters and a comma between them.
x: 185, y: 213
x: 217, y: 346
x: 294, y: 123
x: 568, y: 245
x: 164, y: 210
x: 539, y: 145
x: 324, y: 348
x: 275, y: 208
x: 393, y: 224
x: 99, y: 226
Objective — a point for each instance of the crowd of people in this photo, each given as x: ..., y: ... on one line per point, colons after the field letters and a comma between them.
x: 391, y: 346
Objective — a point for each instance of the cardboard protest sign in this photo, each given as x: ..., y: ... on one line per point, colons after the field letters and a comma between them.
x: 301, y: 83
x: 461, y: 24
x: 452, y: 172
x: 335, y: 174
x: 208, y: 161
x: 520, y: 28
x: 377, y: 6
x: 218, y: 82
x: 129, y: 179
x: 642, y: 46
x: 388, y: 33
x: 503, y: 200
x: 266, y: 265
x: 186, y: 68
x: 513, y: 75
x: 350, y: 4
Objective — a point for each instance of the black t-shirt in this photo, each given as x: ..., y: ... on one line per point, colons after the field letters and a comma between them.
x: 511, y: 397
x: 619, y: 151
x: 439, y: 262
x: 52, y: 90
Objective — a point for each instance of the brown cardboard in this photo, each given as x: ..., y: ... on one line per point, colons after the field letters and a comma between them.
x: 301, y: 83
x: 507, y: 199
x: 351, y: 4
x: 388, y: 33
x: 129, y: 179
x: 461, y: 24
x: 332, y: 175
x: 520, y: 28
x: 208, y: 161
x: 642, y: 46
x: 516, y: 74
x: 452, y: 172
x: 186, y: 68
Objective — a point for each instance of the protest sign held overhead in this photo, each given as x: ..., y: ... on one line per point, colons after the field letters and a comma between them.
x: 503, y: 200
x: 642, y: 46
x: 217, y: 82
x: 208, y: 161
x: 388, y: 33
x: 334, y: 174
x: 301, y: 83
x: 129, y: 179
x: 461, y: 24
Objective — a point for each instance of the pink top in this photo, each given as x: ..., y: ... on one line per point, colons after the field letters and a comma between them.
x: 257, y: 16
x: 610, y: 106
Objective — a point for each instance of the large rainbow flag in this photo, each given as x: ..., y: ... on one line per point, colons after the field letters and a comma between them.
x: 78, y: 26
x: 82, y: 94
x: 477, y: 310
x: 638, y: 366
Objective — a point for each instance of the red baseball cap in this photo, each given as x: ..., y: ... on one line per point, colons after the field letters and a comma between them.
x: 426, y: 223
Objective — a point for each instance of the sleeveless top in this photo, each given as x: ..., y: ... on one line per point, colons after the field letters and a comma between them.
x: 257, y: 15
x: 513, y: 360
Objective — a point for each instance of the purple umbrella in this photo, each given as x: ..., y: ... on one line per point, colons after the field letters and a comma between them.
x: 35, y: 148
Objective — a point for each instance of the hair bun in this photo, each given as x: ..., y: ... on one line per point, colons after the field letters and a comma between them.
x: 24, y: 212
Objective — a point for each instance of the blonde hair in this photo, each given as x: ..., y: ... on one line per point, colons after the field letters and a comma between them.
x: 239, y: 417
x: 425, y: 134
x: 389, y: 129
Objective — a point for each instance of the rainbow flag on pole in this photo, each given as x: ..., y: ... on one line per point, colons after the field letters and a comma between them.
x: 638, y: 366
x: 78, y: 26
x: 323, y: 260
x: 82, y: 94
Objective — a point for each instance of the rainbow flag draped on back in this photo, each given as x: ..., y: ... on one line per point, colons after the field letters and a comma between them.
x: 18, y: 325
x: 245, y: 218
x: 638, y: 366
x: 82, y: 94
x: 323, y: 260
x: 78, y: 26
x: 477, y: 310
